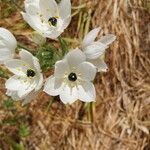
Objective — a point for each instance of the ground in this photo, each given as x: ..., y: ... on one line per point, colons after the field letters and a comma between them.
x: 120, y: 118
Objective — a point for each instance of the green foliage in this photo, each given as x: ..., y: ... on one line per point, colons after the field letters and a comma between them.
x: 24, y: 130
x: 10, y: 121
x: 9, y: 104
x: 14, y: 144
x: 64, y: 46
x: 47, y: 55
x: 3, y: 73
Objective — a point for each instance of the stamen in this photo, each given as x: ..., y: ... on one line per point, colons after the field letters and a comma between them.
x: 53, y: 21
x: 72, y: 77
x: 30, y: 73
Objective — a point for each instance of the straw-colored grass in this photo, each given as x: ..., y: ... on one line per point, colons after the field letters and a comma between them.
x: 121, y: 118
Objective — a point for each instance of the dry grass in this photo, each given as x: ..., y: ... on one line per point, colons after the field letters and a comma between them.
x: 122, y: 111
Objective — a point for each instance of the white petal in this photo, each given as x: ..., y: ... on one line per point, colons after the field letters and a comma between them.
x: 32, y: 61
x: 87, y: 71
x: 32, y: 6
x: 95, y: 50
x: 36, y: 64
x: 8, y: 39
x: 15, y: 83
x: 61, y: 67
x: 68, y: 95
x: 65, y: 9
x: 12, y: 94
x: 27, y: 57
x: 21, y: 85
x: 66, y: 22
x: 87, y: 92
x: 108, y: 39
x: 100, y: 64
x: 34, y: 21
x: 39, y: 81
x: 52, y: 87
x: 90, y: 37
x: 52, y: 34
x: 16, y: 66
x: 49, y: 8
x: 75, y: 57
x: 5, y: 54
x: 27, y: 87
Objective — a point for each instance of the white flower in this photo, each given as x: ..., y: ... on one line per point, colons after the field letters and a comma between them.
x: 8, y: 45
x: 94, y: 50
x: 47, y: 17
x: 27, y: 79
x: 72, y: 79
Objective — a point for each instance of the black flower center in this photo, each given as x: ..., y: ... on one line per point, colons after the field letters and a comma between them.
x: 30, y: 73
x: 72, y: 77
x: 53, y: 21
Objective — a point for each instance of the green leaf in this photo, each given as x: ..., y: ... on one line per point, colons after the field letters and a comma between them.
x: 24, y: 130
x: 3, y: 73
x: 9, y: 104
x: 64, y: 46
x: 14, y: 144
x: 47, y: 55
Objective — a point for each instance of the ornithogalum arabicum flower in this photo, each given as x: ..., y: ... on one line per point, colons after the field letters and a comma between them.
x: 27, y: 78
x: 8, y: 45
x: 94, y: 50
x: 47, y: 17
x: 72, y: 79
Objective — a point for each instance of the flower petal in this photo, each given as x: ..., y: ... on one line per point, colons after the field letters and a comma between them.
x: 12, y: 94
x: 32, y: 6
x: 65, y: 9
x: 14, y: 83
x: 100, y: 64
x: 18, y: 67
x: 52, y: 34
x: 52, y: 87
x: 28, y: 86
x: 61, y: 67
x: 68, y: 94
x: 75, y: 57
x: 48, y: 8
x: 95, y: 50
x: 39, y: 81
x: 34, y: 21
x: 87, y: 92
x: 90, y: 37
x: 36, y: 64
x: 107, y: 39
x: 5, y: 54
x: 66, y: 22
x: 19, y: 84
x: 87, y: 71
x: 28, y: 58
x: 8, y: 38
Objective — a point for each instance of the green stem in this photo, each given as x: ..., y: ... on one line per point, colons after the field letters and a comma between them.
x: 50, y: 104
x: 79, y: 7
x: 90, y: 109
x: 71, y: 40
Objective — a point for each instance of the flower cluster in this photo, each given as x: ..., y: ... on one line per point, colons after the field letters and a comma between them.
x: 73, y: 74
